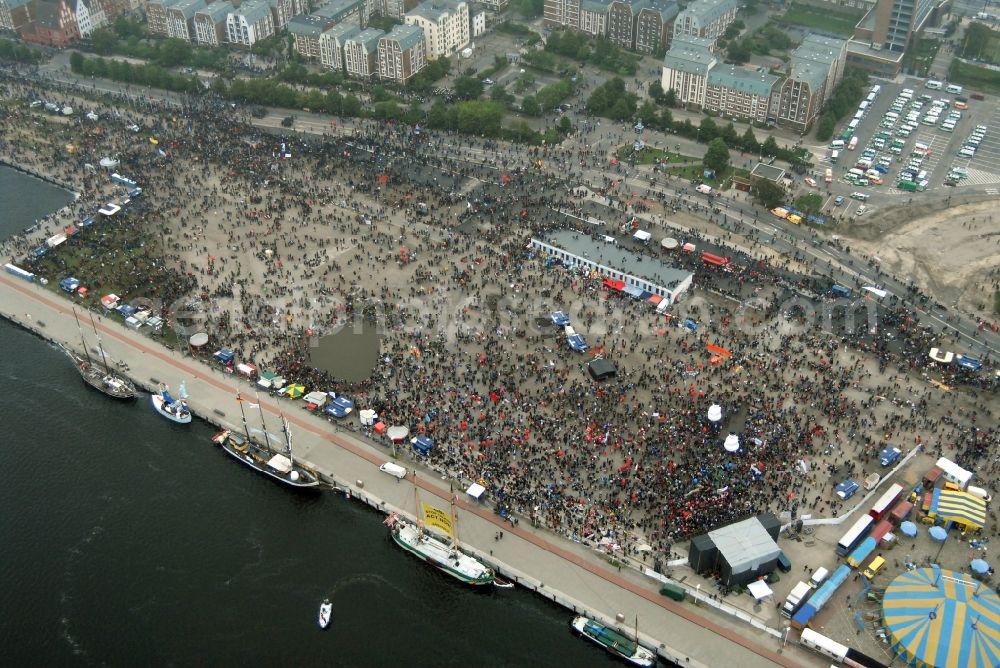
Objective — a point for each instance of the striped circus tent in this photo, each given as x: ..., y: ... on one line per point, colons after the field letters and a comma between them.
x: 938, y: 618
x: 959, y: 507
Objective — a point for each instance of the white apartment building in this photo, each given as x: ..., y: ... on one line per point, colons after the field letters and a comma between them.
x: 249, y: 24
x: 445, y: 24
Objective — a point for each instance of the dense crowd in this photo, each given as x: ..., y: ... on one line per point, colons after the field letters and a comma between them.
x: 424, y: 237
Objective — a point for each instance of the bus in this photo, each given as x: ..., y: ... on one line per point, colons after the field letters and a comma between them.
x: 855, y: 535
x: 853, y: 144
x: 834, y: 156
x: 828, y: 176
x: 886, y: 502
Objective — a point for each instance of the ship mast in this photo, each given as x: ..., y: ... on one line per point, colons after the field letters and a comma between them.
x: 288, y: 438
x: 454, y: 525
x: 246, y: 429
x: 263, y: 426
x: 82, y: 340
x: 100, y: 346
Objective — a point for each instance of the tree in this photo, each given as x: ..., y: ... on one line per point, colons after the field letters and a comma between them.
x: 770, y: 147
x: 717, y: 156
x: 707, y: 130
x: 656, y: 92
x: 565, y: 126
x: 738, y: 51
x: 749, y: 140
x: 825, y: 127
x: 768, y: 193
x: 103, y: 41
x: 530, y: 106
x: 499, y: 94
x: 468, y: 88
x: 76, y: 62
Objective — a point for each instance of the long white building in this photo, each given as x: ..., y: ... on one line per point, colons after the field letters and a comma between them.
x: 445, y: 24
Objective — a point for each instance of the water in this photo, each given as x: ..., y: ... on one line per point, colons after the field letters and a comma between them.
x: 349, y: 354
x: 130, y: 540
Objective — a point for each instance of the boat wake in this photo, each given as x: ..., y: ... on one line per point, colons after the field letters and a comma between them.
x: 73, y: 554
x: 257, y: 548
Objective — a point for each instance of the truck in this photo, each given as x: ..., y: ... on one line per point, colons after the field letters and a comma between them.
x: 890, y: 456
x: 853, y: 144
x: 703, y: 188
x: 800, y: 594
x: 840, y: 291
x: 674, y: 591
x: 871, y: 480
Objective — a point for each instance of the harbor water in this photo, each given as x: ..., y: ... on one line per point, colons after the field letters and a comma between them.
x: 131, y: 540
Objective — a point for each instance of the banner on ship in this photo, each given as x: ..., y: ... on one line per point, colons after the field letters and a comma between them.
x: 437, y: 518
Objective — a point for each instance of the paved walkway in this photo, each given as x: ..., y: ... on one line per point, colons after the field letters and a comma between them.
x: 563, y: 571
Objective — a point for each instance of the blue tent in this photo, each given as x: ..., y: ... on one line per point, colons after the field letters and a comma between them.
x: 691, y: 325
x: 339, y: 407
x: 559, y: 319
x: 422, y: 444
x: 126, y: 310
x: 39, y: 251
x: 86, y: 222
x: 577, y: 343
x: 69, y: 284
x: 225, y: 355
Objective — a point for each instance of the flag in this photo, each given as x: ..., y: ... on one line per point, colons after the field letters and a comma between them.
x: 433, y: 517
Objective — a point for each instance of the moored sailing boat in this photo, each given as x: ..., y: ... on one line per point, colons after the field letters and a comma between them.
x: 445, y: 556
x: 280, y: 467
x: 616, y: 643
x: 103, y: 380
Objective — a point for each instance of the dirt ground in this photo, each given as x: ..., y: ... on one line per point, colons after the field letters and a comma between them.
x: 953, y: 253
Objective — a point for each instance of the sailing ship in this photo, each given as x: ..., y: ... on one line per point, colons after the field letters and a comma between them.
x: 614, y: 642
x: 444, y: 555
x: 103, y: 380
x: 279, y: 466
x: 175, y: 410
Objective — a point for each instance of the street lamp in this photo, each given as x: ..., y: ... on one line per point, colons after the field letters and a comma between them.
x: 785, y: 638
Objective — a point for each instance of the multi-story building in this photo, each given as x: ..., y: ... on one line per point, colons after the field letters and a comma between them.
x: 401, y: 53
x: 361, y: 53
x: 331, y: 44
x: 52, y: 23
x: 180, y: 18
x: 345, y: 10
x: 897, y: 20
x: 817, y: 66
x: 89, y: 16
x: 621, y: 14
x: 496, y: 5
x: 306, y: 30
x: 706, y: 18
x: 282, y: 11
x: 740, y: 92
x: 850, y: 4
x: 393, y: 8
x: 561, y: 14
x: 249, y: 24
x: 593, y: 17
x: 445, y: 24
x: 210, y: 23
x: 686, y: 67
x: 156, y: 15
x: 654, y: 25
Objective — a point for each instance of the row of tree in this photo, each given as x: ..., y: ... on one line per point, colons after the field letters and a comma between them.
x: 18, y: 52
x: 846, y: 96
x: 599, y: 52
x: 478, y: 117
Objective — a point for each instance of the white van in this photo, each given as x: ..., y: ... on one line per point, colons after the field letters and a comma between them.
x: 934, y: 84
x: 980, y: 492
x: 953, y: 89
x: 854, y: 124
x: 837, y: 143
x: 819, y: 576
x: 393, y: 470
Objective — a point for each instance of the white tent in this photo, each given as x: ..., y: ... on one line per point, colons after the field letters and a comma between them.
x: 944, y: 358
x: 642, y: 235
x: 732, y: 443
x: 715, y: 412
x: 367, y: 417
x: 878, y: 292
x: 669, y: 243
x: 476, y: 491
x: 759, y: 590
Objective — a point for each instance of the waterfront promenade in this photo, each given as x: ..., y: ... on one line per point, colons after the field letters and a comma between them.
x: 569, y: 573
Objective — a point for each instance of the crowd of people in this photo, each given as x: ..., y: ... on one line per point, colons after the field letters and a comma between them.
x: 267, y: 242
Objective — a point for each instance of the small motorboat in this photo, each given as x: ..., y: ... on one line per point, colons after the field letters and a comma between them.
x: 168, y: 407
x: 502, y: 583
x: 325, y: 612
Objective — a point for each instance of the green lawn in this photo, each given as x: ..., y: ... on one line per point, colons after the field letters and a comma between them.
x: 722, y: 180
x: 841, y: 21
x: 996, y: 301
x: 649, y: 156
x: 978, y: 78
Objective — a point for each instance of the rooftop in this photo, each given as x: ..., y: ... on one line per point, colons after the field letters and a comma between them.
x: 707, y: 11
x: 743, y: 79
x: 744, y: 543
x: 690, y: 54
x: 768, y: 172
x: 308, y: 25
x: 187, y: 7
x: 338, y: 9
x: 342, y: 31
x: 253, y: 10
x: 369, y: 38
x: 435, y: 10
x: 217, y: 11
x: 408, y: 36
x: 617, y: 257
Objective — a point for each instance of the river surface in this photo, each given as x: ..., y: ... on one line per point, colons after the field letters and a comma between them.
x: 128, y: 540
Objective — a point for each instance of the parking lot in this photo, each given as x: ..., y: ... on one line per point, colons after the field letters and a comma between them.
x: 887, y: 137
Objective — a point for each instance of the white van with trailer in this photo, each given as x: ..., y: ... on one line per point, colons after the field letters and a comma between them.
x: 933, y: 84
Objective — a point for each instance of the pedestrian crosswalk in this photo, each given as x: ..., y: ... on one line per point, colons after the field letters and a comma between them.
x: 993, y: 191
